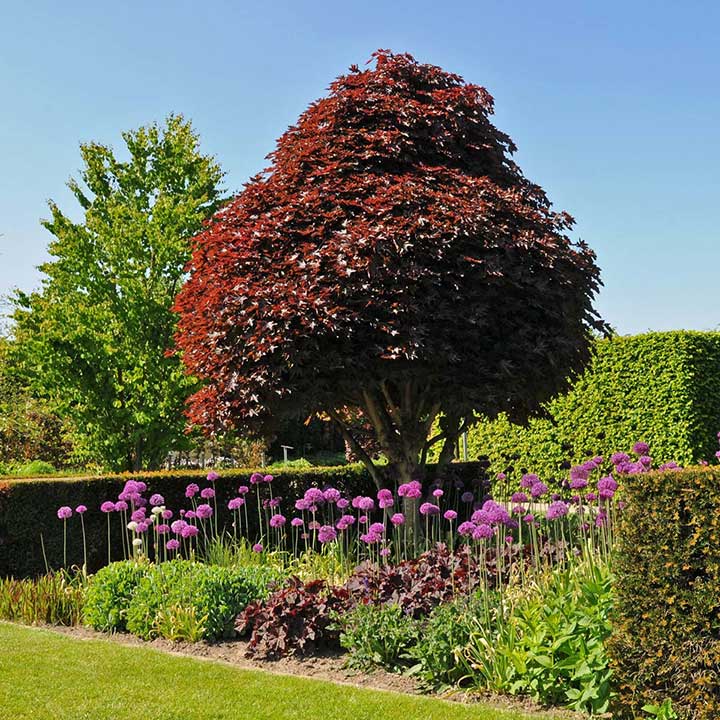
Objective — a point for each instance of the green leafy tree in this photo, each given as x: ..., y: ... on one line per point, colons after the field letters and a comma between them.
x: 95, y: 338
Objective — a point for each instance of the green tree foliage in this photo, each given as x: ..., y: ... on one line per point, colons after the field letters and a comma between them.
x: 95, y: 338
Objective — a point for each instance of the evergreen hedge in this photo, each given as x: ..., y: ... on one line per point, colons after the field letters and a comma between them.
x: 662, y: 388
x: 28, y: 507
x: 666, y: 621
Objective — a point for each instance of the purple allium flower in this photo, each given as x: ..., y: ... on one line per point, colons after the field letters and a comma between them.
x: 192, y: 490
x: 138, y: 515
x: 556, y: 510
x: 366, y: 504
x: 256, y: 478
x: 190, y: 514
x: 157, y: 499
x: 412, y: 490
x: 429, y: 509
x: 598, y: 460
x: 579, y: 472
x: 207, y: 493
x: 384, y: 552
x: 141, y: 486
x: 314, y: 496
x: 121, y: 506
x: 619, y: 458
x: 162, y: 529
x: 172, y: 545
x: 397, y: 519
x: 467, y: 497
x: 645, y: 461
x: 177, y: 526
x: 466, y: 528
x: 268, y: 478
x: 363, y: 519
x: 578, y: 483
x: 591, y: 497
x: 342, y: 503
x: 480, y: 516
x: 80, y: 509
x: 519, y: 497
x: 385, y: 498
x: 314, y: 525
x: 501, y: 476
x: 672, y: 465
x: 450, y: 515
x: 108, y: 506
x: 378, y: 528
x: 437, y: 493
x: 297, y: 522
x: 212, y: 476
x: 275, y: 502
x: 529, y: 518
x: 529, y: 480
x: 203, y: 511
x: 607, y: 487
x: 257, y: 548
x: 302, y: 504
x: 538, y: 489
x: 509, y: 539
x: 556, y: 496
x: 142, y: 527
x: 496, y: 513
x: 277, y: 521
x: 243, y: 490
x: 482, y: 532
x: 236, y: 503
x: 600, y: 519
x: 370, y: 538
x: 130, y: 487
x: 139, y: 500
x: 641, y: 448
x: 331, y: 495
x: 327, y: 534
x: 347, y: 520
x: 190, y: 531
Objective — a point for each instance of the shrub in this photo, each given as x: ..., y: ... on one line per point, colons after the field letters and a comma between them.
x: 378, y: 636
x: 666, y: 625
x: 298, y: 619
x: 110, y: 593
x: 662, y: 388
x: 55, y: 599
x: 207, y: 595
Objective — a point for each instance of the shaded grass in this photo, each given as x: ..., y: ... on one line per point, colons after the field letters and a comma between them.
x: 44, y: 676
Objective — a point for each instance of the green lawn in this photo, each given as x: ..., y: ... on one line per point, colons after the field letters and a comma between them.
x: 47, y: 675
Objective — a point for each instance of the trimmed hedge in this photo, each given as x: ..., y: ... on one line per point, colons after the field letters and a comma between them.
x: 28, y: 507
x: 666, y: 623
x: 662, y: 388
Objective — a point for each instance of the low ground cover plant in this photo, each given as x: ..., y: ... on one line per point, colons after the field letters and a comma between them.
x: 55, y: 599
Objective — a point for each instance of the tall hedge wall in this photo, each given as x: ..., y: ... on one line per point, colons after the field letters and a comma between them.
x: 666, y: 624
x: 28, y: 508
x: 662, y: 388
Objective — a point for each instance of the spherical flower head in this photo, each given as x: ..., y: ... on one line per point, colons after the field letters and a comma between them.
x: 429, y: 509
x: 138, y: 500
x: 529, y: 518
x: 411, y: 490
x: 132, y: 526
x: 331, y: 495
x: 314, y: 496
x: 212, y: 476
x: 131, y: 487
x: 509, y: 539
x: 277, y: 521
x: 450, y: 515
x: 327, y: 534
x: 255, y: 479
x: 578, y: 483
x: 363, y: 519
x: 501, y: 476
x: 189, y: 531
x: 108, y: 506
x: 538, y: 489
x: 590, y: 497
x: 466, y: 528
x: 268, y: 478
x: 177, y: 526
x: 385, y: 499
x: 167, y: 514
x: 641, y: 448
x: 204, y: 511
x: 314, y: 525
x: 138, y: 515
x: 243, y: 490
x: 297, y: 522
x: 579, y: 472
x: 162, y: 529
x: 598, y: 460
x: 121, y: 506
x: 467, y: 497
x: 366, y: 504
x: 378, y: 528
x: 371, y: 538
x: 343, y: 503
x: 172, y: 545
x: 80, y: 509
x: 347, y: 520
x: 137, y: 542
x: 142, y: 527
x: 397, y: 519
x: 141, y: 486
x: 619, y: 458
x: 672, y: 465
x: 496, y: 512
x: 480, y: 516
x: 437, y: 493
x: 301, y: 504
x: 519, y: 497
x: 645, y: 461
x: 384, y: 552
x: 157, y: 510
x: 257, y: 548
x: 190, y: 514
x: 207, y: 493
x: 236, y: 503
x: 529, y: 480
x: 157, y: 499
x: 64, y: 512
x: 556, y: 510
x: 607, y: 483
x: 482, y: 532
x: 192, y: 490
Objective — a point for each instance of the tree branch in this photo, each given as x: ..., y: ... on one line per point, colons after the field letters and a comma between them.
x: 357, y: 448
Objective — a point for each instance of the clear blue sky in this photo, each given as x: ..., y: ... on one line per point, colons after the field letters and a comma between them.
x: 615, y: 107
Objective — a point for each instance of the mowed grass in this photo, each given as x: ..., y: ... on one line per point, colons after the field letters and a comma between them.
x: 44, y: 675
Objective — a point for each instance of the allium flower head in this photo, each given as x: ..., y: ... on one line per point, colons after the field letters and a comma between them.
x: 212, y: 476
x: 277, y: 521
x: 137, y: 542
x: 178, y: 526
x: 378, y: 528
x: 80, y: 509
x: 619, y: 458
x: 450, y: 515
x: 268, y: 478
x: 189, y: 531
x: 64, y: 512
x: 467, y: 497
x: 519, y: 497
x: 437, y: 493
x: 192, y: 490
x: 384, y: 552
x: 645, y: 461
x: 172, y: 545
x: 314, y: 496
x: 297, y: 522
x: 556, y: 510
x: 207, y: 493
x: 366, y: 504
x: 429, y: 509
x: 538, y: 489
x: 466, y: 528
x: 157, y: 499
x: 162, y: 529
x: 641, y: 448
x: 397, y: 519
x: 326, y: 534
x: 529, y: 480
x: 236, y: 503
x: 256, y: 478
x: 412, y: 490
x: 385, y: 498
x: 121, y: 506
x: 108, y: 506
x: 138, y: 515
x: 331, y: 495
x: 343, y: 503
x: 243, y: 490
x: 203, y: 511
x: 257, y: 547
x: 190, y: 514
x: 501, y: 476
x: 482, y: 532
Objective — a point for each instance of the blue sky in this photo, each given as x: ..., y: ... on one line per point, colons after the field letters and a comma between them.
x: 615, y: 107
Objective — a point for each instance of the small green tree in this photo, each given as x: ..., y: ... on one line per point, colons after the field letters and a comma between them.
x: 95, y: 338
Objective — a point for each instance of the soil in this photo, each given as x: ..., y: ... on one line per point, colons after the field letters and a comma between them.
x: 328, y: 666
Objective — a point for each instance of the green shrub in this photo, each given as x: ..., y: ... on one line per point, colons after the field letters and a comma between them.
x: 662, y: 388
x: 666, y: 625
x: 110, y: 592
x: 54, y: 599
x: 378, y: 636
x: 205, y: 596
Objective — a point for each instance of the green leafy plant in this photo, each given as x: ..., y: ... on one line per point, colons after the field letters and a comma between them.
x: 55, y: 599
x: 664, y: 711
x: 180, y: 624
x: 110, y: 593
x: 378, y: 636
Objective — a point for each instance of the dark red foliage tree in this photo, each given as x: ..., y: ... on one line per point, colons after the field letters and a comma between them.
x: 393, y: 260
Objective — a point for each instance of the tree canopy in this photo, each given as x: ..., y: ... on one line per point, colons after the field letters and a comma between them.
x: 392, y: 259
x: 94, y: 339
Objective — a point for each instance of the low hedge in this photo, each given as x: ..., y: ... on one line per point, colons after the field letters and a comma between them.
x: 666, y: 624
x: 28, y: 507
x: 662, y: 388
